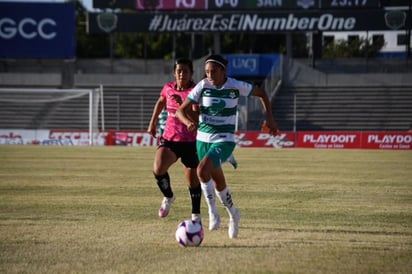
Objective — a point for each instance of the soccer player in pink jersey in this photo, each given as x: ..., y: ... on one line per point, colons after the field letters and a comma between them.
x: 177, y: 141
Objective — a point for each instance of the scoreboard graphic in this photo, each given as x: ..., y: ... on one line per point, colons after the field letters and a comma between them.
x: 214, y: 5
x: 249, y: 15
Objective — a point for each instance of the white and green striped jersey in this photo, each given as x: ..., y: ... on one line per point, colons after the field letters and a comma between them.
x: 162, y: 121
x: 217, y: 108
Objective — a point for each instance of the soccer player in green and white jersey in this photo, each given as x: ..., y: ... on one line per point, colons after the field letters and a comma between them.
x: 217, y: 96
x: 161, y: 121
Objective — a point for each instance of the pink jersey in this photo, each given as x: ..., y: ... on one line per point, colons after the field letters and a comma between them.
x: 175, y: 130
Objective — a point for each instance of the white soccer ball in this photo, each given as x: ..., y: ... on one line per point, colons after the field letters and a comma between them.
x: 189, y: 233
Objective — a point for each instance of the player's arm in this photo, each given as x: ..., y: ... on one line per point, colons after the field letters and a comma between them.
x: 271, y: 124
x: 159, y: 106
x: 186, y: 114
x: 193, y: 113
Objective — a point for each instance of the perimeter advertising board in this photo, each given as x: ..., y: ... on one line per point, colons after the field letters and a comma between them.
x: 240, y: 22
x: 387, y: 140
x: 311, y: 140
x: 316, y: 139
x: 360, y: 140
x: 37, y: 30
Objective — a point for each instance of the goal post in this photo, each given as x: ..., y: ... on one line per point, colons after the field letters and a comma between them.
x: 42, y: 108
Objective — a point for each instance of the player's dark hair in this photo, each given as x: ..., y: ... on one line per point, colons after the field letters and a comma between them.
x: 183, y: 61
x: 217, y: 59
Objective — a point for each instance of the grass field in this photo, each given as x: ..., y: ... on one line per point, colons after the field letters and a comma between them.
x: 94, y: 210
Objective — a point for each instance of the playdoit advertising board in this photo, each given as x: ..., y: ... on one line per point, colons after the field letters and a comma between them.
x: 304, y: 139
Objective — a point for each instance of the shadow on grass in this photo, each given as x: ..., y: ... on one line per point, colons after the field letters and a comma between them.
x: 336, y: 231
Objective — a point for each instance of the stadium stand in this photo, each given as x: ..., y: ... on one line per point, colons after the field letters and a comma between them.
x: 129, y: 108
x: 344, y: 108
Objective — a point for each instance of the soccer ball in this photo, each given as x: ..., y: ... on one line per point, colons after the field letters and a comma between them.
x: 189, y: 233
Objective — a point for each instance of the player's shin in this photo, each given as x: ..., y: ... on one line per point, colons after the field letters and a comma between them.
x: 163, y: 181
x: 225, y: 198
x: 208, y: 190
x: 195, y: 196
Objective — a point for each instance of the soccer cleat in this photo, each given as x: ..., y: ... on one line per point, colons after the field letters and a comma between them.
x: 214, y: 221
x: 232, y: 161
x: 165, y: 206
x: 233, y: 230
x: 196, y: 217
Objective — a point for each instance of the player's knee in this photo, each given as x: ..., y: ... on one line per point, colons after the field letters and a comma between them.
x: 159, y: 170
x: 203, y: 174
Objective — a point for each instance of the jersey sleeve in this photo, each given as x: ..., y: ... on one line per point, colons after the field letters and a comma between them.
x: 245, y: 88
x: 195, y: 93
x: 163, y: 92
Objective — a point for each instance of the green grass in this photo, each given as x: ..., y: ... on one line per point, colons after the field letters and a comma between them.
x: 94, y: 210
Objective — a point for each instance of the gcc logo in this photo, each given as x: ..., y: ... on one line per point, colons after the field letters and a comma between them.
x: 27, y: 28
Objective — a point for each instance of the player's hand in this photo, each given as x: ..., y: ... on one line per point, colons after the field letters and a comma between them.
x: 273, y: 128
x: 152, y: 131
x: 192, y: 127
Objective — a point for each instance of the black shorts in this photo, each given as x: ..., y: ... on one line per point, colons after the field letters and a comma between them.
x: 186, y: 151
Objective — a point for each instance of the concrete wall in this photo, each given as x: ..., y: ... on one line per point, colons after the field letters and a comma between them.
x: 121, y: 80
x: 299, y: 73
x: 52, y: 80
x: 123, y: 73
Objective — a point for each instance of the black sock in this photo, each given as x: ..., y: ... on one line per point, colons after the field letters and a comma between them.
x: 195, y: 195
x: 163, y: 181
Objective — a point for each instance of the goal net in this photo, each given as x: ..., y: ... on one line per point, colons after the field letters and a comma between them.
x: 52, y: 109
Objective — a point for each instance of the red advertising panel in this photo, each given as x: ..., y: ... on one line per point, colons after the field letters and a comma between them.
x: 387, y: 140
x: 130, y: 138
x: 322, y: 139
x: 260, y: 139
x: 81, y: 137
x: 171, y: 5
